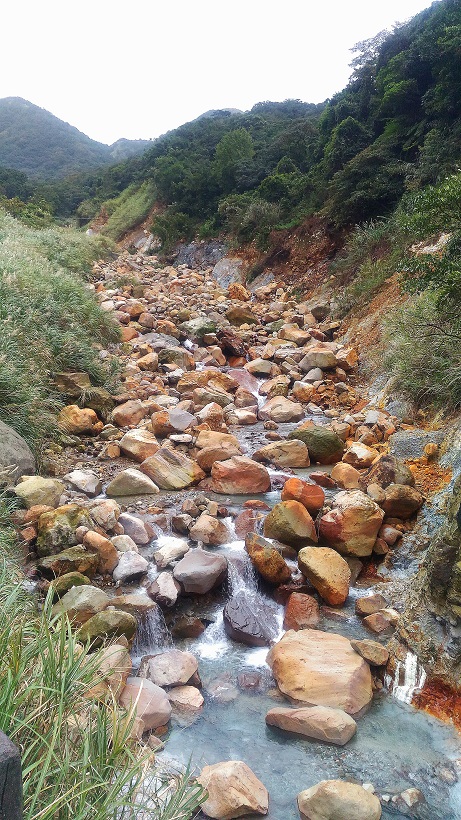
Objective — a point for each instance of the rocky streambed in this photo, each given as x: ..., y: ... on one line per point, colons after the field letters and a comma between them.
x: 230, y: 522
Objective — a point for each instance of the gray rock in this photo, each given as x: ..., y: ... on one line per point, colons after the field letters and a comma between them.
x: 10, y: 780
x: 130, y: 567
x: 200, y: 571
x: 16, y: 457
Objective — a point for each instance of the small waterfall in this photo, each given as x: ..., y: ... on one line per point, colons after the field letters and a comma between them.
x: 409, y: 677
x: 152, y: 633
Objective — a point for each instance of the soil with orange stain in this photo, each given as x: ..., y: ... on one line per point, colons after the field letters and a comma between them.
x: 429, y: 476
x: 438, y: 699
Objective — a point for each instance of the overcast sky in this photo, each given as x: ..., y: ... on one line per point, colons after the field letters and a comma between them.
x: 137, y: 69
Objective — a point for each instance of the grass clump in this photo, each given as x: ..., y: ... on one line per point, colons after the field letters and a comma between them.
x: 49, y: 321
x: 129, y: 209
x: 77, y: 757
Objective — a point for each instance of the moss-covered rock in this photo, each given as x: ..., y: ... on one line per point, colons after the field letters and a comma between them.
x: 56, y: 529
x: 107, y: 625
x: 324, y: 446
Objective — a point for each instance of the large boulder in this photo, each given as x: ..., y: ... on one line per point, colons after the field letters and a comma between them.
x: 200, y: 571
x: 387, y: 470
x: 84, y: 481
x: 78, y: 421
x: 328, y: 573
x: 311, y: 496
x: 210, y: 530
x: 352, y: 525
x: 318, y: 356
x: 16, y: 457
x: 280, y: 410
x: 337, y: 800
x: 301, y: 611
x: 170, y: 668
x: 148, y: 700
x: 36, y: 490
x: 107, y: 625
x: 57, y: 528
x: 139, y: 444
x: 292, y: 454
x: 290, y: 523
x: 131, y: 482
x: 172, y: 470
x: 233, y: 791
x: 172, y: 550
x: 239, y: 475
x: 314, y: 722
x: 130, y: 567
x: 81, y: 603
x: 107, y: 552
x: 267, y: 560
x: 248, y: 621
x: 402, y: 501
x: 321, y: 668
x: 324, y: 446
x: 358, y: 455
x: 74, y: 559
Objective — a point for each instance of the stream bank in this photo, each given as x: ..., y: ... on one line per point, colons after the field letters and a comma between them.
x: 212, y: 377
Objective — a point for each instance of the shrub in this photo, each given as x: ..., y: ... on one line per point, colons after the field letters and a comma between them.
x: 171, y: 227
x: 129, y: 209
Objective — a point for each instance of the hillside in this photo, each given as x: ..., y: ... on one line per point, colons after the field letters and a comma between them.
x: 44, y: 147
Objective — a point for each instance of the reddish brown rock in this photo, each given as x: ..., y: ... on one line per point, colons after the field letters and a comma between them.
x: 352, y: 525
x: 128, y: 414
x: 311, y: 496
x: 402, y: 501
x: 239, y: 475
x: 301, y: 611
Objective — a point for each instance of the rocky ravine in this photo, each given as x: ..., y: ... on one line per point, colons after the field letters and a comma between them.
x: 227, y: 394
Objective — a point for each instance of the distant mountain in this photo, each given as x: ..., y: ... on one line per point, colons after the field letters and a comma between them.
x: 44, y: 147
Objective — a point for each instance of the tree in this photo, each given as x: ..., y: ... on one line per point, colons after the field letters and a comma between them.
x: 235, y: 148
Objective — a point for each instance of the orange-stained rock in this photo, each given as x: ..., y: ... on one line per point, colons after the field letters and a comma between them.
x: 402, y: 501
x: 301, y: 611
x: 77, y: 420
x: 108, y: 555
x: 311, y: 496
x: 315, y: 667
x: 290, y: 523
x: 292, y: 454
x: 233, y: 791
x: 248, y: 521
x: 345, y: 476
x: 360, y: 456
x: 352, y: 525
x: 237, y: 291
x: 267, y: 560
x: 128, y: 414
x: 239, y: 475
x: 327, y: 571
x: 128, y: 333
x: 139, y: 444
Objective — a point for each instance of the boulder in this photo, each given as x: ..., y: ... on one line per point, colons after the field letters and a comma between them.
x: 74, y: 559
x: 290, y: 523
x: 249, y: 622
x: 314, y: 722
x: 401, y: 501
x: 303, y: 392
x: 292, y: 454
x: 196, y: 329
x: 57, y: 528
x: 318, y: 356
x: 172, y: 470
x: 337, y: 800
x: 64, y: 583
x: 35, y: 490
x: 200, y: 571
x: 81, y: 603
x: 280, y: 410
x: 233, y: 791
x: 135, y: 528
x: 123, y: 543
x: 16, y: 457
x: 370, y: 604
x: 78, y: 421
x: 129, y: 414
x: 352, y: 525
x: 373, y: 652
x: 149, y: 701
x: 267, y: 560
x: 130, y: 567
x: 138, y: 604
x: 113, y: 669
x: 170, y: 668
x: 346, y: 477
x: 239, y: 475
x: 84, y: 480
x: 311, y: 496
x: 164, y: 590
x: 321, y: 668
x: 173, y: 549
x: 131, y: 482
x: 387, y: 470
x: 358, y: 455
x: 301, y: 611
x: 107, y: 625
x: 185, y: 698
x: 325, y: 447
x: 241, y: 315
x: 210, y: 530
x: 178, y: 356
x: 105, y: 513
x: 107, y: 552
x: 139, y: 444
x: 328, y: 573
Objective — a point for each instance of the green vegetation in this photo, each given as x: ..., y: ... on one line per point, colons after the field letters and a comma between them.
x: 39, y: 144
x: 49, y: 321
x: 77, y: 757
x: 129, y: 209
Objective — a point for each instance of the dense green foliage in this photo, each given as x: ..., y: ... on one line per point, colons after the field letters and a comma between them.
x: 37, y: 143
x: 49, y: 320
x: 396, y: 127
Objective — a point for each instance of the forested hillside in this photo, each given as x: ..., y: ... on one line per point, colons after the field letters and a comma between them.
x: 39, y: 144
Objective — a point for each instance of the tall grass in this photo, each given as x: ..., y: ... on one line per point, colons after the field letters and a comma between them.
x: 129, y: 209
x: 77, y: 759
x: 49, y: 321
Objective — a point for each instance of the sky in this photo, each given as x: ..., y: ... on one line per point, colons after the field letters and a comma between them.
x: 137, y: 69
